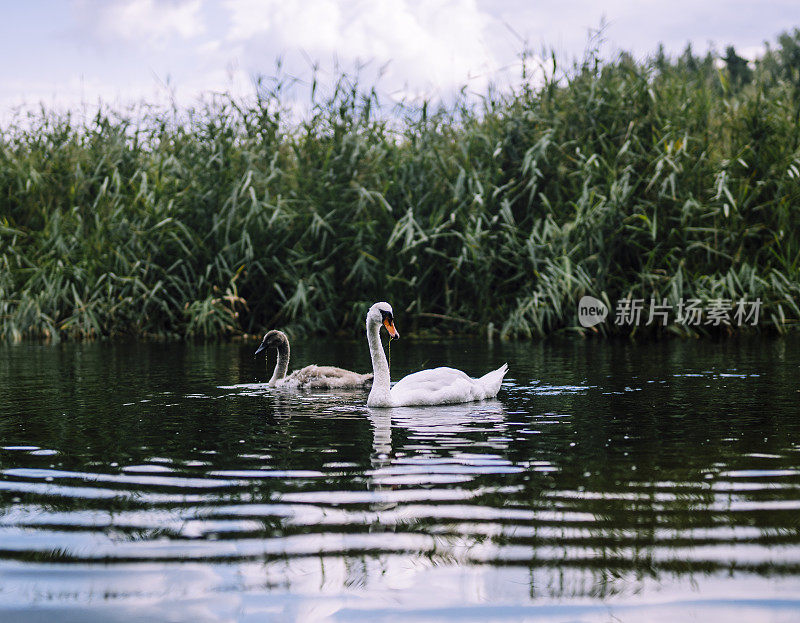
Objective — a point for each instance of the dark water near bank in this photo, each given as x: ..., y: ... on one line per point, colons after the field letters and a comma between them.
x: 608, y: 481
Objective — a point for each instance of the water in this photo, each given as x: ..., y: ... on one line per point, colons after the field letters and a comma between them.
x: 608, y: 481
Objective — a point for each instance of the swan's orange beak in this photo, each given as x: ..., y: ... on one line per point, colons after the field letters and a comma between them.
x: 389, y: 324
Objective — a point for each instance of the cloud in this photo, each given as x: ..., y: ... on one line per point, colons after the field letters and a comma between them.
x: 752, y: 52
x: 433, y: 45
x: 69, y: 53
x: 144, y: 22
x: 81, y: 95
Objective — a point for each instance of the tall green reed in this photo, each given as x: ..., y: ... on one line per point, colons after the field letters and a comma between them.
x: 664, y: 179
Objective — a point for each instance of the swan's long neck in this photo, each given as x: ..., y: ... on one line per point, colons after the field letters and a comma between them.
x: 380, y: 367
x: 282, y: 364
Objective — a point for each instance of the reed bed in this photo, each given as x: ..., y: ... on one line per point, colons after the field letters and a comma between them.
x: 670, y: 178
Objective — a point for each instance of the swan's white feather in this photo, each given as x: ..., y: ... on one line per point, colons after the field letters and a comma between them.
x: 438, y: 386
x: 441, y: 386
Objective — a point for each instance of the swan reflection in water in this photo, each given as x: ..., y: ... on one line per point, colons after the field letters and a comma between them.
x: 434, y: 446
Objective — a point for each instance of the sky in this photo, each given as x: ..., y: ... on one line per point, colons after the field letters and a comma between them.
x: 68, y: 54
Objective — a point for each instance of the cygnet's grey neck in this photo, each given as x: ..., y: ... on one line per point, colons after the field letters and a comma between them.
x: 282, y: 365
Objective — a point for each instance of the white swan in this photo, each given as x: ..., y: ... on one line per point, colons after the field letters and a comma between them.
x: 314, y: 377
x: 438, y: 386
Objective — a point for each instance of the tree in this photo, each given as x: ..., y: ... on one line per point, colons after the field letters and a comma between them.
x: 738, y: 69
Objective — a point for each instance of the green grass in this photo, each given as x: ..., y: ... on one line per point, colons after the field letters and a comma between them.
x: 667, y: 178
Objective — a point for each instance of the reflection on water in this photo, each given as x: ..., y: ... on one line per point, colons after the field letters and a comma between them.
x: 167, y: 481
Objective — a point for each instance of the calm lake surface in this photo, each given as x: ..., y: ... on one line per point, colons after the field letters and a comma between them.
x: 608, y: 481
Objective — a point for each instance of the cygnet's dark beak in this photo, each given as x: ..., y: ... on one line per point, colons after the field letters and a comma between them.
x: 261, y: 348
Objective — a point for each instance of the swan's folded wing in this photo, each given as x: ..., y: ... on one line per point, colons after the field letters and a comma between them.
x: 331, y: 377
x: 435, y: 386
x: 327, y: 377
x: 300, y: 377
x: 335, y: 373
x: 431, y: 379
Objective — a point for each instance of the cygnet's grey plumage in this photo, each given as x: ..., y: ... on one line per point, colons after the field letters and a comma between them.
x: 313, y: 376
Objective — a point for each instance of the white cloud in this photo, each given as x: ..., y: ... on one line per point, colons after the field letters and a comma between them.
x: 176, y: 50
x: 752, y: 52
x: 148, y: 22
x: 80, y: 95
x: 430, y: 45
